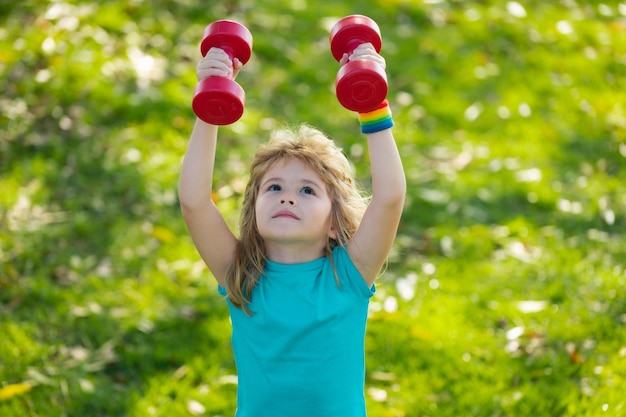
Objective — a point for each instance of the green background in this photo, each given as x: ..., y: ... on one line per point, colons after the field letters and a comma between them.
x: 504, y: 295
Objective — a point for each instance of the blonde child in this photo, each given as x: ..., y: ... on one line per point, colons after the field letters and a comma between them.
x: 299, y: 277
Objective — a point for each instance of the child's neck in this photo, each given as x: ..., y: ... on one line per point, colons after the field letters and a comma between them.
x: 292, y: 253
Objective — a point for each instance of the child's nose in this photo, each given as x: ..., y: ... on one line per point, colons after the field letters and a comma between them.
x: 289, y: 201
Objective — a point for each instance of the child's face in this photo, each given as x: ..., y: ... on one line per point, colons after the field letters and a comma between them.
x: 293, y: 207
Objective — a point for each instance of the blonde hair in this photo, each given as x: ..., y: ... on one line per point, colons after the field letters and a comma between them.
x: 347, y: 204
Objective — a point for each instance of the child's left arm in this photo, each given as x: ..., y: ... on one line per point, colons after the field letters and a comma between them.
x: 372, y: 242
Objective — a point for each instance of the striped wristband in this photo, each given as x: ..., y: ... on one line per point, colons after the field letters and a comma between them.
x: 377, y: 119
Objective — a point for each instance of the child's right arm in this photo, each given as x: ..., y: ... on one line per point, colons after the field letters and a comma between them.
x: 211, y: 235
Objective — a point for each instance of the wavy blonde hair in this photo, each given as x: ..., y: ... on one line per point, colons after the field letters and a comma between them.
x: 347, y: 204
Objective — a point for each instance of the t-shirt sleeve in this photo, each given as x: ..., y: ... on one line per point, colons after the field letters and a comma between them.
x: 349, y: 275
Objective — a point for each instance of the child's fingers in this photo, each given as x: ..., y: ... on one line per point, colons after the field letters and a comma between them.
x: 216, y: 63
x: 204, y: 71
x: 366, y: 51
x: 208, y: 64
x: 344, y: 59
x: 236, y: 67
x: 218, y: 53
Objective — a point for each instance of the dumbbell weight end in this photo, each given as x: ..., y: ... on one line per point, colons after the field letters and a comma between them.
x: 218, y: 101
x: 361, y: 86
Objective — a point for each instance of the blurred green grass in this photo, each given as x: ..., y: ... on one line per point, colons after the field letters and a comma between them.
x: 504, y: 295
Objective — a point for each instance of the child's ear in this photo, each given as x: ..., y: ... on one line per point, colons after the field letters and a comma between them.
x: 331, y: 233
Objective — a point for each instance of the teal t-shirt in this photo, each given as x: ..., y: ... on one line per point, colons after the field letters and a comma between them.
x: 301, y: 353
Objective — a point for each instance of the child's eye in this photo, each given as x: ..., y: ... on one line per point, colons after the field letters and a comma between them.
x: 274, y: 187
x: 307, y: 190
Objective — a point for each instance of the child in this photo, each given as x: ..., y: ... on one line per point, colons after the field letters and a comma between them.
x: 299, y: 278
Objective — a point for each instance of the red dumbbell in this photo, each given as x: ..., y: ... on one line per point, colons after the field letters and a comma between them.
x: 360, y: 86
x: 219, y: 100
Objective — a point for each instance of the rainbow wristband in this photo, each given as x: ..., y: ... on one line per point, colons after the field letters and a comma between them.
x: 377, y: 119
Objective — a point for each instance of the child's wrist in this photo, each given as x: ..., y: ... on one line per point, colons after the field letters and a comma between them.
x: 377, y: 119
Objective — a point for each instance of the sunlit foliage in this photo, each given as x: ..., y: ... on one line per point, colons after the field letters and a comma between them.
x: 504, y: 295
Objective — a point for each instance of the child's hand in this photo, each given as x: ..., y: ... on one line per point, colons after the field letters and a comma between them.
x: 366, y: 52
x: 216, y: 63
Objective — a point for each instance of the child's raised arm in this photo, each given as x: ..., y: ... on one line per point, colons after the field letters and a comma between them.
x: 372, y: 242
x: 211, y: 235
